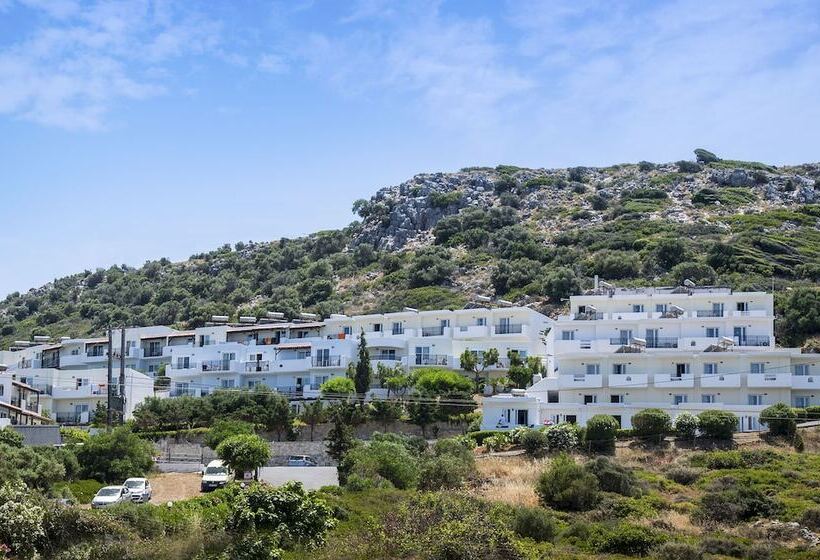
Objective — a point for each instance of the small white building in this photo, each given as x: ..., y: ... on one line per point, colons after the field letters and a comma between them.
x: 684, y: 348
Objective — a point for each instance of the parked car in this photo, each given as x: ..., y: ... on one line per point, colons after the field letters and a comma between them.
x: 216, y: 475
x: 109, y: 496
x: 140, y: 489
x: 301, y: 461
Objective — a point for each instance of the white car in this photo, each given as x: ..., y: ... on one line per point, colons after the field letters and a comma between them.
x: 301, y: 461
x: 216, y: 475
x: 140, y: 489
x: 109, y: 496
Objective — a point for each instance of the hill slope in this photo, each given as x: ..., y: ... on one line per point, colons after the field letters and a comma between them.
x: 532, y: 235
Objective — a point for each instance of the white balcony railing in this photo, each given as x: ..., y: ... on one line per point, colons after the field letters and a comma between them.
x: 672, y: 380
x: 769, y: 380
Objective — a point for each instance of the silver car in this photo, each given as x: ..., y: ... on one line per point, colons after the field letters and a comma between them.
x: 301, y: 461
x: 140, y: 489
x: 109, y: 496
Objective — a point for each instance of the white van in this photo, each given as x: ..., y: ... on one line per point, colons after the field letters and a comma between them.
x: 216, y: 475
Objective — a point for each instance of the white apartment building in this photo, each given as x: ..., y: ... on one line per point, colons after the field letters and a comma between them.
x: 298, y: 357
x: 19, y: 402
x: 690, y: 349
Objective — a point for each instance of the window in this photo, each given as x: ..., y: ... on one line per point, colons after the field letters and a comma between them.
x: 802, y: 402
x: 624, y: 336
x: 712, y: 332
x: 679, y: 399
x: 206, y: 340
x: 740, y: 334
x: 618, y: 369
x: 710, y: 369
x: 801, y: 369
x: 2, y: 390
x: 252, y: 383
x: 590, y: 399
x: 481, y: 321
x: 743, y: 306
x: 755, y: 400
x: 660, y: 308
x: 552, y: 396
x: 567, y: 335
x: 153, y: 368
x: 681, y: 370
x: 398, y: 328
x: 717, y: 310
x: 300, y: 354
x: 522, y: 417
x: 757, y: 367
x: 707, y: 399
x: 616, y: 399
x: 593, y: 369
x: 228, y: 383
x: 377, y: 327
x: 637, y: 308
x: 348, y: 330
x: 422, y: 355
x: 183, y: 362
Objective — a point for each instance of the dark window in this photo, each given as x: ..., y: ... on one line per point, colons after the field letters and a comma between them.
x: 552, y: 396
x: 522, y: 418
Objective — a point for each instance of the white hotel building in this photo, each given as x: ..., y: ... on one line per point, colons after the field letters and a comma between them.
x: 690, y: 349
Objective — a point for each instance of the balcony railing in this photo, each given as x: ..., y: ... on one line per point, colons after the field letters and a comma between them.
x: 327, y: 361
x: 430, y: 360
x: 24, y: 364
x: 96, y: 354
x: 432, y: 331
x: 50, y: 363
x: 588, y: 316
x: 216, y: 365
x: 508, y: 328
x: 153, y: 352
x: 753, y: 340
x: 396, y: 331
x: 256, y: 367
x: 662, y: 342
x: 619, y: 341
x: 709, y: 313
x: 385, y: 357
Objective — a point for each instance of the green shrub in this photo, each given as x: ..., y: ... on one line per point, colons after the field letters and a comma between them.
x: 439, y: 381
x: 223, y: 429
x: 724, y: 460
x: 683, y: 475
x: 686, y: 426
x: 70, y: 435
x: 652, y: 424
x: 11, y: 438
x: 677, y: 551
x: 534, y: 442
x: 565, y: 485
x: 496, y: 442
x: 534, y: 523
x: 612, y: 477
x: 81, y: 490
x: 338, y: 386
x: 781, y: 419
x: 627, y: 539
x: 729, y: 502
x: 444, y: 472
x: 723, y: 547
x: 759, y: 551
x: 600, y: 433
x: 382, y: 459
x: 717, y: 424
x: 481, y: 435
x: 115, y: 456
x: 562, y: 437
x: 811, y: 518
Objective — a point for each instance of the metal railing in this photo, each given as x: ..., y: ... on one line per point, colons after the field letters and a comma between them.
x: 509, y: 328
x: 588, y: 316
x: 397, y: 330
x: 216, y: 365
x: 385, y: 357
x: 252, y: 367
x: 662, y: 342
x: 430, y: 360
x: 96, y: 354
x: 51, y: 363
x: 752, y: 340
x: 327, y: 361
x: 432, y: 331
x: 153, y: 353
x: 709, y: 313
x: 619, y: 341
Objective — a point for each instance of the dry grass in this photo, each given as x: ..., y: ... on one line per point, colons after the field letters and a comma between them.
x: 811, y: 439
x: 509, y: 479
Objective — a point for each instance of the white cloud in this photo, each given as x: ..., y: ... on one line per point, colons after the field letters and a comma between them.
x: 72, y: 69
x: 273, y: 63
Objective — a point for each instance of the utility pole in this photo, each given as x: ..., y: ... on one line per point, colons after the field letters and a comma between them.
x: 109, y: 384
x: 121, y: 402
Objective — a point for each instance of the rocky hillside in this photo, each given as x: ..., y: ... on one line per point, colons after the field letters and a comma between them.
x: 530, y: 235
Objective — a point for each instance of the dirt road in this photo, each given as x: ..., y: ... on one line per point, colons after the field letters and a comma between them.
x: 174, y: 486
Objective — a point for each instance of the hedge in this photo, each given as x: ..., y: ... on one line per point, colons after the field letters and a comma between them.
x: 481, y: 435
x: 159, y: 434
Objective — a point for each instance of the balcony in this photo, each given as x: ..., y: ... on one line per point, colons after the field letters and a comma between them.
x: 702, y: 313
x: 727, y: 380
x: 662, y: 342
x: 805, y: 382
x: 429, y: 360
x: 587, y: 316
x: 674, y: 380
x: 96, y: 354
x: 216, y: 365
x: 326, y: 361
x: 629, y: 315
x: 629, y: 380
x: 619, y: 341
x: 579, y: 381
x: 750, y: 313
x: 769, y: 380
x: 472, y: 331
x: 153, y: 353
x: 753, y: 340
x: 50, y: 363
x: 432, y: 331
x: 508, y: 328
x: 257, y: 367
x: 72, y: 417
x: 85, y: 391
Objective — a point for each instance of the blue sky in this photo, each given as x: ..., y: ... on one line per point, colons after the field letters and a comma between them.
x: 134, y: 130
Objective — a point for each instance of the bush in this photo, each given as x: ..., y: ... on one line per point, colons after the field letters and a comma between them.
x: 382, y: 460
x: 759, y: 551
x: 717, y: 424
x: 115, y: 456
x: 811, y: 518
x: 11, y: 438
x: 444, y: 472
x: 338, y: 386
x: 534, y: 523
x: 688, y: 166
x: 70, y: 435
x: 534, y: 442
x: 781, y: 419
x: 717, y: 460
x: 613, y: 477
x: 438, y: 381
x: 562, y: 437
x: 601, y: 432
x: 686, y: 426
x: 683, y: 475
x: 677, y: 551
x: 652, y: 424
x: 723, y: 547
x: 244, y: 452
x: 481, y: 435
x: 735, y: 503
x: 627, y: 539
x: 567, y: 486
x: 223, y: 429
x: 496, y: 442
x: 560, y: 283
